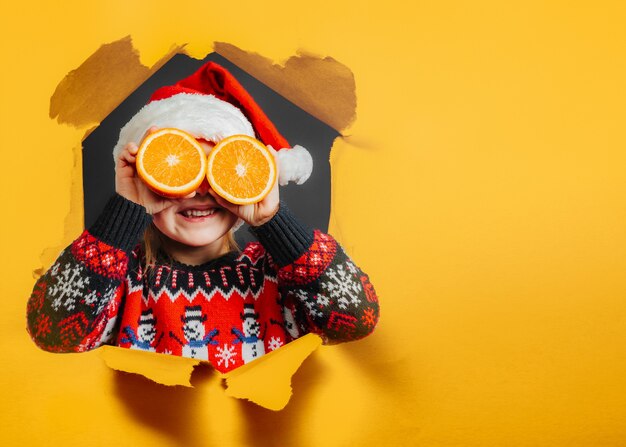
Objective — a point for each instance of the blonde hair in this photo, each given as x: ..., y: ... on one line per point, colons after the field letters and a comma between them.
x: 153, y: 241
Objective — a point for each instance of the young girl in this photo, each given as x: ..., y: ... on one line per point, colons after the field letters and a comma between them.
x: 164, y: 275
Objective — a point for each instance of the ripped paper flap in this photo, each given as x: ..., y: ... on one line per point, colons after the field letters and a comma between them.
x: 161, y: 368
x: 265, y: 381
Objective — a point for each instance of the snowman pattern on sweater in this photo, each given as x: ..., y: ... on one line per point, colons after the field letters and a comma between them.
x: 252, y: 346
x: 144, y: 336
x: 197, y: 340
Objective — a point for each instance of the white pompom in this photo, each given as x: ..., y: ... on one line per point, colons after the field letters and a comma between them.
x: 294, y: 165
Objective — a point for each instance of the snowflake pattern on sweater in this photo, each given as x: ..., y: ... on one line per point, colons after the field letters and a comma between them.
x: 229, y: 311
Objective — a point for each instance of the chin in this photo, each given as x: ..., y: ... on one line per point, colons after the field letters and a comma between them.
x: 198, y: 234
x: 195, y: 232
x: 202, y: 239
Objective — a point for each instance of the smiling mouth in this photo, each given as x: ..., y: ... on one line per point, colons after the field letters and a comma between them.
x: 191, y: 213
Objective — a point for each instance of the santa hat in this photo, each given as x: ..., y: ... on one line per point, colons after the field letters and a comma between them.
x: 211, y: 104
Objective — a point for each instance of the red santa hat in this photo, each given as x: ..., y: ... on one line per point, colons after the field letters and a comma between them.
x: 211, y: 104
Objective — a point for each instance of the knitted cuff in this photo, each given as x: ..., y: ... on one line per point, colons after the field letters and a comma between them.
x: 121, y: 223
x: 284, y: 237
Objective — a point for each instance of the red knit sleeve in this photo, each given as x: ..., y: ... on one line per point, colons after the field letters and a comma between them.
x: 76, y: 300
x: 336, y: 298
x: 74, y: 305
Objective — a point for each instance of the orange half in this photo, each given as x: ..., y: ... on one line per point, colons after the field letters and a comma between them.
x: 171, y: 162
x: 241, y: 170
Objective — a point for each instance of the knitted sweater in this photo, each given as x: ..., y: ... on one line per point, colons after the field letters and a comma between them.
x: 228, y: 311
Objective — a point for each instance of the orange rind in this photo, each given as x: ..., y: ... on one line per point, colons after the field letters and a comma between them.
x: 241, y: 170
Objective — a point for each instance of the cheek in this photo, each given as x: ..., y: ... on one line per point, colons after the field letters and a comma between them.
x: 164, y: 221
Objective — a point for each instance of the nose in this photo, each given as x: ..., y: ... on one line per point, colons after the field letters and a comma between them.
x: 203, y: 189
x: 206, y: 145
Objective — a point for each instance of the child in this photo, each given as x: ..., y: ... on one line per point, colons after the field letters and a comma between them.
x: 164, y: 275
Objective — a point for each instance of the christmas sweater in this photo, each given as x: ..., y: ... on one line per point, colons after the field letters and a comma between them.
x: 228, y: 311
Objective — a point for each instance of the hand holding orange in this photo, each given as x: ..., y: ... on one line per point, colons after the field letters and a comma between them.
x: 130, y: 186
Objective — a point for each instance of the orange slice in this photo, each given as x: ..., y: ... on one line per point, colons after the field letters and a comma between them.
x: 241, y: 169
x: 171, y: 162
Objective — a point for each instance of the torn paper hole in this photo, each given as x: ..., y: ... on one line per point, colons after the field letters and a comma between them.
x: 78, y: 101
x: 265, y: 381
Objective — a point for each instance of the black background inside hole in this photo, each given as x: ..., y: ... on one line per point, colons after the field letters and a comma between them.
x: 310, y: 202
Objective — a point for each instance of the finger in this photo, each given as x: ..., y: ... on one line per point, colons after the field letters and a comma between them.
x: 126, y: 161
x: 152, y: 129
x: 128, y: 157
x: 275, y: 155
x: 129, y: 149
x: 120, y: 163
x: 233, y: 208
x: 133, y: 148
x: 191, y: 195
x: 165, y: 203
x: 276, y: 160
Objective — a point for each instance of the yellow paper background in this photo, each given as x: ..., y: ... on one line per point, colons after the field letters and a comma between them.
x: 482, y: 187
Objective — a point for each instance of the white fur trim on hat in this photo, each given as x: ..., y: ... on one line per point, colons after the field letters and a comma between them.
x: 294, y: 165
x: 203, y: 116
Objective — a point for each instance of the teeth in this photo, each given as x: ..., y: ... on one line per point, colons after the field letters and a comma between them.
x: 198, y: 213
